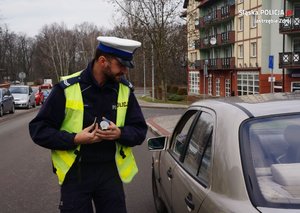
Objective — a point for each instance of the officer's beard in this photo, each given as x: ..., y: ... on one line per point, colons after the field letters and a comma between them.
x: 109, y: 76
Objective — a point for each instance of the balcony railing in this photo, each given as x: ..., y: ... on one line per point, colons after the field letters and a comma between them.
x: 289, y: 60
x: 218, y: 63
x: 227, y: 37
x: 221, y: 39
x: 217, y: 16
x: 289, y: 25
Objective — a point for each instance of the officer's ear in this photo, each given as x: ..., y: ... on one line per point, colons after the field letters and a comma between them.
x: 102, y: 60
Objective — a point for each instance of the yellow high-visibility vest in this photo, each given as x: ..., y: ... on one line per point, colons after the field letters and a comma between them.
x: 73, y: 121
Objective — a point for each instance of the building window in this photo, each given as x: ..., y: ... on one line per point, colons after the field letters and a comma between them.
x: 297, y: 11
x: 194, y: 82
x: 253, y: 49
x: 296, y: 45
x: 209, y: 86
x: 227, y: 87
x: 295, y: 86
x: 241, y: 23
x: 253, y: 21
x: 241, y: 51
x: 217, y: 86
x: 248, y: 83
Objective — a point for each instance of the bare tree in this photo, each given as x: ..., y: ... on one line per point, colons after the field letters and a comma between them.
x: 157, y: 19
x: 58, y: 48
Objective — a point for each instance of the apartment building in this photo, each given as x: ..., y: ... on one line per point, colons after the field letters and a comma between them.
x: 289, y: 56
x: 230, y: 53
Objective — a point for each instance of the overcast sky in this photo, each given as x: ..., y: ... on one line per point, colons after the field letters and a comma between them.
x: 29, y: 16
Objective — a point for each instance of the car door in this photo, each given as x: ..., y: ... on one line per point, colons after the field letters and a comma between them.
x: 170, y: 158
x: 5, y: 99
x: 191, y: 177
x: 31, y: 96
x: 10, y: 100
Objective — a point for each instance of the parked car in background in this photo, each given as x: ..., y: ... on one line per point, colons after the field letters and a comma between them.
x: 39, y: 95
x: 6, y: 102
x: 46, y: 93
x: 238, y: 154
x: 23, y: 96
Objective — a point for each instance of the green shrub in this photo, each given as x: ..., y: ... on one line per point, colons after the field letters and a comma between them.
x: 175, y: 97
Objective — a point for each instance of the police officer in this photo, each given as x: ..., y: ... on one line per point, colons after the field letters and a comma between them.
x: 92, y: 161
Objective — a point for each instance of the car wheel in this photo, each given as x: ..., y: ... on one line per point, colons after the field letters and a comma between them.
x: 1, y: 111
x: 12, y: 109
x: 34, y: 105
x: 159, y: 204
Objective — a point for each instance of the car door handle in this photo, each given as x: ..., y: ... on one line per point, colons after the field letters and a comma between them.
x: 169, y: 173
x: 189, y: 202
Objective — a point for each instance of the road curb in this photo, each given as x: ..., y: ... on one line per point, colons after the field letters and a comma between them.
x: 156, y: 129
x: 163, y: 107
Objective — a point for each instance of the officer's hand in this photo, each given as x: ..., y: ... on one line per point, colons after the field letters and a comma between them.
x: 88, y: 135
x: 112, y: 133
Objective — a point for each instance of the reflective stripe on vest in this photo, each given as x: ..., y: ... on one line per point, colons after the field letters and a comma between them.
x: 125, y: 161
x: 63, y: 160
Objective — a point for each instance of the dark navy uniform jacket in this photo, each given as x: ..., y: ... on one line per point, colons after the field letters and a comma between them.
x: 99, y: 101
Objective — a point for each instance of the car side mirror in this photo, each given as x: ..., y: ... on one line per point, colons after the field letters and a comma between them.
x: 157, y: 143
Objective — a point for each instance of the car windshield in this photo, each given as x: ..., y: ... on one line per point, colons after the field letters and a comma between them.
x: 35, y: 90
x: 19, y: 90
x: 273, y: 163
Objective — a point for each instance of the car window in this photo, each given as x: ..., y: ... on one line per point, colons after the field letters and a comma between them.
x: 274, y: 158
x: 197, y: 158
x: 19, y: 90
x: 180, y: 134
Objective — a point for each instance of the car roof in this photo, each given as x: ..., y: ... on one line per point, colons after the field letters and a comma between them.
x: 19, y: 86
x: 257, y: 105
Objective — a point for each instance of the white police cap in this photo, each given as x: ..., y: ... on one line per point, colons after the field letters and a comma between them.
x: 122, y: 49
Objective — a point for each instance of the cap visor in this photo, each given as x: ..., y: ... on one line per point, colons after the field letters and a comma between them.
x: 125, y: 63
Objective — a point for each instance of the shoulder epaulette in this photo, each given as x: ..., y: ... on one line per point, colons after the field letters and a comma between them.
x: 68, y: 82
x: 127, y: 83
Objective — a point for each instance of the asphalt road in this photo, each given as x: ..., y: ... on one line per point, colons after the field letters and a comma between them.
x: 27, y: 183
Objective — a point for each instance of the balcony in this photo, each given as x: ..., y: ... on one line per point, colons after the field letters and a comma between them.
x: 289, y: 25
x: 218, y: 63
x: 218, y: 16
x: 224, y: 38
x: 289, y: 60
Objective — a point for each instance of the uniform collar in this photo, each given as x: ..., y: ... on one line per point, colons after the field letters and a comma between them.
x: 87, y: 77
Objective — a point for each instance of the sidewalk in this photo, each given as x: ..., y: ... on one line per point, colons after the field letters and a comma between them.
x: 162, y: 125
x: 146, y: 104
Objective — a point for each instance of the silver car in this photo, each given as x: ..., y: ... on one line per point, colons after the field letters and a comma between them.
x: 23, y: 96
x: 238, y: 154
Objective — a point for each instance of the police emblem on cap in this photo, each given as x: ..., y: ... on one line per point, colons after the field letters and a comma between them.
x: 123, y: 49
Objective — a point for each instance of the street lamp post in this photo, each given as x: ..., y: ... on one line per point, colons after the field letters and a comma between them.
x: 144, y: 73
x: 204, y: 76
x: 152, y: 73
